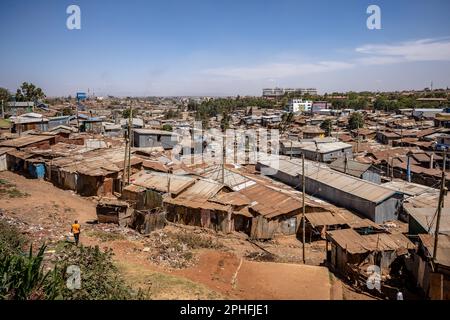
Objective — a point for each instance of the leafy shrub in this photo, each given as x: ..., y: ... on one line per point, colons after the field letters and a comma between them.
x: 100, y: 279
x: 23, y: 277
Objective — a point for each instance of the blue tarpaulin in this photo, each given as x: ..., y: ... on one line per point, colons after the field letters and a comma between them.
x: 37, y: 170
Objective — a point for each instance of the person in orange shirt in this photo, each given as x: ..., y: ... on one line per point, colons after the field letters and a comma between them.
x: 76, y: 229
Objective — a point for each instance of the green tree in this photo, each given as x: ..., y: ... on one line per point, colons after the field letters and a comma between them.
x: 225, y: 121
x: 167, y: 127
x: 29, y: 92
x: 4, y: 95
x: 326, y: 125
x: 126, y: 113
x: 355, y: 121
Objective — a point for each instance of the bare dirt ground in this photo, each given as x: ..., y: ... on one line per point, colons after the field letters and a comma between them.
x: 47, y: 212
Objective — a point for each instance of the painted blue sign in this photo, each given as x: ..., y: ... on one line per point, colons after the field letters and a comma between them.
x: 81, y: 96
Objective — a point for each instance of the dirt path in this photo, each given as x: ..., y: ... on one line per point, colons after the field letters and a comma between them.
x: 217, y: 274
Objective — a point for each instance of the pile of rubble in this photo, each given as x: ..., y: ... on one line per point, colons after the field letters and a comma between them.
x: 38, y: 233
x: 167, y: 251
x: 127, y: 233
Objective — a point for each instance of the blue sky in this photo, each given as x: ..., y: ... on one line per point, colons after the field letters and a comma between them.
x: 223, y: 47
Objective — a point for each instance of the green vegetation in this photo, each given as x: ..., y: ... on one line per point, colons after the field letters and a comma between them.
x: 214, y: 107
x: 29, y: 92
x: 4, y: 95
x: 326, y: 125
x: 167, y: 127
x: 126, y: 113
x: 355, y: 121
x: 172, y: 114
x: 106, y: 236
x: 31, y: 277
x: 8, y: 189
x: 194, y: 241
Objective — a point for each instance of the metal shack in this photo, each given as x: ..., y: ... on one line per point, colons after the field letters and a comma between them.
x: 144, y: 138
x: 192, y: 206
x: 352, y: 254
x: 373, y: 201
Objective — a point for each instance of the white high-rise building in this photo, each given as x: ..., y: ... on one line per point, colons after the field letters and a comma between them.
x: 300, y: 105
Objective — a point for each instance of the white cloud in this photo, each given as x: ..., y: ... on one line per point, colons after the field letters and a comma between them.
x: 366, y: 55
x: 420, y: 50
x: 272, y: 71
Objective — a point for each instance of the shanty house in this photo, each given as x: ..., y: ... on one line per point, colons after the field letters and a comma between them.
x: 350, y: 253
x: 146, y: 188
x: 145, y: 138
x: 432, y: 275
x: 326, y: 152
x: 29, y: 121
x: 192, y: 206
x: 373, y: 201
x: 3, y: 161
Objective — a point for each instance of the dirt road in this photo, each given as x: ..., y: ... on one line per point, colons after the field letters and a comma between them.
x: 217, y: 274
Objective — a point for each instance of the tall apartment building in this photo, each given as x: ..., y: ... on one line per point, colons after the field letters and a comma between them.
x: 273, y: 93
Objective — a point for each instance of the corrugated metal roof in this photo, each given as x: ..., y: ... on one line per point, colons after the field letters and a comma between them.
x: 160, y: 181
x: 353, y: 242
x: 25, y: 140
x: 352, y: 167
x: 270, y: 203
x: 426, y: 217
x: 231, y: 198
x: 202, y: 188
x: 153, y: 131
x: 443, y: 251
x: 346, y: 183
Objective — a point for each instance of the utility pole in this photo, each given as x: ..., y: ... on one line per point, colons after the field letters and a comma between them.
x: 223, y: 158
x: 127, y: 153
x: 345, y: 164
x: 304, y: 207
x: 439, y: 208
x: 130, y: 123
x: 392, y: 168
x: 290, y: 154
x: 357, y: 144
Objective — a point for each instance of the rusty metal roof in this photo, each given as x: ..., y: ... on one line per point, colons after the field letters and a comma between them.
x: 443, y: 251
x: 160, y: 181
x: 354, y: 243
x: 25, y: 141
x: 269, y: 202
x: 231, y: 198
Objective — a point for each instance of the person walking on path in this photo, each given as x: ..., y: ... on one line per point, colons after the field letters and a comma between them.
x: 76, y: 229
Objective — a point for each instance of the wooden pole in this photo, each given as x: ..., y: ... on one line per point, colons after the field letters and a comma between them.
x: 130, y: 123
x: 439, y: 209
x: 223, y: 158
x: 290, y: 156
x: 304, y: 207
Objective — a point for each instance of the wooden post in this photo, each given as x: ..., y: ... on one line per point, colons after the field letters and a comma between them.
x: 345, y: 164
x: 303, y: 206
x: 129, y: 145
x: 223, y: 158
x: 290, y: 156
